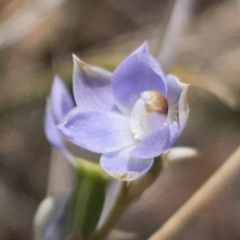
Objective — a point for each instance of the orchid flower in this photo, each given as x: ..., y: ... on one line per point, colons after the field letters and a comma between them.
x: 130, y: 116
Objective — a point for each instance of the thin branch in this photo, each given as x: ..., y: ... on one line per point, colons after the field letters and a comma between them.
x: 207, y: 193
x: 178, y: 20
x: 61, y: 174
x: 24, y: 20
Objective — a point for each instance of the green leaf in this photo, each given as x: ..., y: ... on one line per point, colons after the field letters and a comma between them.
x: 87, y: 199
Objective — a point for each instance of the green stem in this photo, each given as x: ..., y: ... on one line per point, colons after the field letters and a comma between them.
x: 129, y: 193
x: 87, y: 200
x: 114, y: 215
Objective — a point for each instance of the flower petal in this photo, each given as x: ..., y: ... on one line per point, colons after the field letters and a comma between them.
x: 97, y: 131
x: 153, y: 144
x: 122, y: 166
x: 91, y: 87
x: 178, y: 107
x: 79, y: 152
x: 183, y: 108
x: 51, y: 132
x: 180, y: 153
x: 174, y: 88
x: 174, y: 132
x: 61, y: 100
x: 144, y: 122
x: 179, y: 112
x: 136, y: 74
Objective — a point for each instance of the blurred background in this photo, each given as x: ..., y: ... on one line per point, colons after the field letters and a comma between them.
x: 37, y: 39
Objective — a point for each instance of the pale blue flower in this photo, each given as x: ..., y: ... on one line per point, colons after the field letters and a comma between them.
x: 130, y: 116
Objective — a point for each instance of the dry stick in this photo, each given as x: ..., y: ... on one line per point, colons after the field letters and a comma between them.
x: 177, y: 22
x: 61, y: 174
x: 218, y: 181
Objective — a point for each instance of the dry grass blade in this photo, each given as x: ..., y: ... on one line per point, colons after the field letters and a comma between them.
x: 207, y: 193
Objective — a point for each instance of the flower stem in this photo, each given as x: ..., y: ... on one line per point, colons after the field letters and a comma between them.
x: 113, y: 217
x: 87, y: 199
x: 129, y: 193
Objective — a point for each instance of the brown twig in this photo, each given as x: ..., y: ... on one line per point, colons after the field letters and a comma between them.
x: 217, y: 182
x: 177, y: 22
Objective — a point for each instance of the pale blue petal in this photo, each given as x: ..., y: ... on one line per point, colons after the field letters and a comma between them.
x: 156, y: 67
x: 174, y: 89
x: 183, y: 108
x: 69, y: 150
x: 136, y: 74
x: 143, y: 122
x: 122, y: 166
x: 61, y: 100
x: 178, y: 107
x: 174, y: 132
x: 51, y: 131
x: 79, y: 152
x: 97, y: 131
x: 91, y: 87
x: 178, y: 111
x: 153, y: 144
